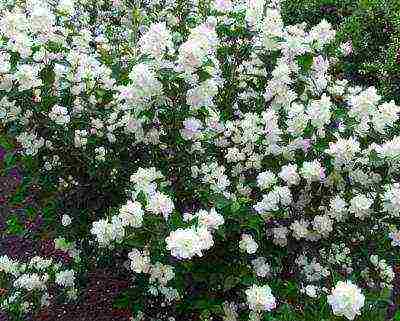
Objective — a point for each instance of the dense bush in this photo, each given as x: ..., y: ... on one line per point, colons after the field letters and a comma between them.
x: 210, y: 153
x: 372, y: 26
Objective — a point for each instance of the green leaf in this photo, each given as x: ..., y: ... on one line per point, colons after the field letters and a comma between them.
x: 9, y: 160
x: 305, y: 62
x: 235, y: 206
x: 5, y: 143
x: 31, y: 211
x: 14, y: 226
x: 230, y: 282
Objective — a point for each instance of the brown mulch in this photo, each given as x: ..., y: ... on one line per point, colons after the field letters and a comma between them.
x: 95, y: 304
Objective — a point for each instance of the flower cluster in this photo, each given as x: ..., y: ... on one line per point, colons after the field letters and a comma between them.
x: 346, y: 300
x: 159, y: 274
x: 29, y: 282
x: 186, y: 243
x: 260, y: 298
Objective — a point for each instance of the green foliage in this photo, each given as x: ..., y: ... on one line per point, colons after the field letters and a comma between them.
x: 14, y: 226
x: 5, y: 142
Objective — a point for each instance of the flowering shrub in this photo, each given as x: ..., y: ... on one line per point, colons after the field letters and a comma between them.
x: 372, y: 28
x: 246, y: 179
x: 29, y: 281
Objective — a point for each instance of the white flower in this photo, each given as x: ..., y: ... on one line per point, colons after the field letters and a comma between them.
x: 254, y: 11
x: 131, y: 214
x: 66, y: 6
x: 311, y: 291
x: 80, y: 139
x: 66, y: 220
x: 186, y: 243
x: 211, y: 219
x: 271, y: 201
x: 160, y: 203
x: 248, y: 244
x: 344, y: 150
x: 312, y: 171
x: 202, y: 95
x: 156, y: 41
x: 192, y: 129
x: 360, y: 206
x: 27, y: 77
x: 6, y: 65
x: 223, y: 5
x: 395, y: 237
x: 214, y: 175
x: 8, y: 265
x: 323, y: 225
x: 140, y: 261
x: 289, y: 174
x: 205, y: 237
x: 183, y: 243
x: 338, y: 208
x: 285, y: 196
x: 31, y: 282
x: 280, y: 235
x: 106, y: 232
x: 30, y: 142
x: 266, y: 180
x: 13, y: 23
x: 170, y: 294
x: 261, y: 267
x: 39, y: 263
x: 300, y: 229
x: 363, y: 105
x: 391, y: 199
x: 319, y: 111
x: 145, y: 81
x: 272, y: 27
x: 162, y: 273
x: 144, y: 179
x: 100, y: 153
x: 234, y: 155
x: 389, y: 149
x: 196, y: 49
x: 41, y: 19
x: 260, y: 298
x: 65, y: 278
x: 386, y: 115
x: 322, y: 33
x: 346, y: 300
x: 346, y: 48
